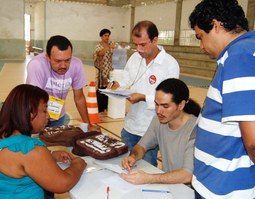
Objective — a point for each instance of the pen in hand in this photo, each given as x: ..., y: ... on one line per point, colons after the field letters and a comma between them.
x: 130, y: 168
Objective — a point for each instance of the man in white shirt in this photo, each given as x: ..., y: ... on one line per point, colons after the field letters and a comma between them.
x: 145, y: 69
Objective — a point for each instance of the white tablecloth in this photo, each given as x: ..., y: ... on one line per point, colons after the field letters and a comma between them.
x: 95, y: 180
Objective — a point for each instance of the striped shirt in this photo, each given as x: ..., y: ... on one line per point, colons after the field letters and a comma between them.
x: 223, y: 168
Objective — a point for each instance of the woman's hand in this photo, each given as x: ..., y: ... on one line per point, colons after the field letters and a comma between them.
x: 114, y: 45
x: 62, y: 156
x: 113, y: 85
x: 92, y: 127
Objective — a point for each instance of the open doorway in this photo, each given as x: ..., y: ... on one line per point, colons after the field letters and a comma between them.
x: 27, y: 33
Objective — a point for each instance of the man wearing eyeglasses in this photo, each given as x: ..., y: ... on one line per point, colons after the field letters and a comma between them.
x: 145, y: 69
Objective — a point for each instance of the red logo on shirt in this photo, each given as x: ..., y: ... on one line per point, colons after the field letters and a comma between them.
x: 152, y: 79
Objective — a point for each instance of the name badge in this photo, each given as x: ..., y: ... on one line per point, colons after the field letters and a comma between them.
x: 55, y: 106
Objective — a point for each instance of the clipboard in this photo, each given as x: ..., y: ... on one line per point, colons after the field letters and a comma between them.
x: 116, y: 93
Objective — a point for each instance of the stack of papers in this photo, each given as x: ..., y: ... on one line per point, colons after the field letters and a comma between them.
x: 116, y: 93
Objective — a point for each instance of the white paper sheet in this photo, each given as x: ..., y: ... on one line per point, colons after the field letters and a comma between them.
x: 91, y: 166
x: 120, y: 184
x: 116, y: 93
x: 102, y: 193
x: 113, y: 167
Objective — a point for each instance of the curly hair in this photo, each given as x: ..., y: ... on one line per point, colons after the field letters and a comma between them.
x: 228, y: 12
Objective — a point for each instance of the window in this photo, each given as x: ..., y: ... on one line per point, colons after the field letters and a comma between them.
x: 187, y: 38
x: 166, y: 37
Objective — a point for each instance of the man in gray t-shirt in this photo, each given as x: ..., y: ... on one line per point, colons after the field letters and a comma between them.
x: 172, y: 131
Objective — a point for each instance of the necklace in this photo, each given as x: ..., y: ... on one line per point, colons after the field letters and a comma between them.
x: 138, y: 78
x: 149, y: 66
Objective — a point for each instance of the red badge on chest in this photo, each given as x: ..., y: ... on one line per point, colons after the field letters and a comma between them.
x: 152, y: 79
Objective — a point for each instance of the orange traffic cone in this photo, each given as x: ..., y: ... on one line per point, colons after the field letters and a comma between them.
x: 92, y: 104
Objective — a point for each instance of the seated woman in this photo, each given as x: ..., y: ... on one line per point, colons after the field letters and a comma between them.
x: 27, y: 166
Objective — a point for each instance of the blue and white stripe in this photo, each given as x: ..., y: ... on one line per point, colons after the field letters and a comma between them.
x: 223, y: 169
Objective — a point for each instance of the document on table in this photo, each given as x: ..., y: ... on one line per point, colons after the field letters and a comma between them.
x: 101, y: 193
x: 116, y: 93
x: 91, y: 166
x: 112, y: 167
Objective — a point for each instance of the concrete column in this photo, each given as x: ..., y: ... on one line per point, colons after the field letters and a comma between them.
x: 251, y: 13
x: 177, y: 30
x: 132, y: 20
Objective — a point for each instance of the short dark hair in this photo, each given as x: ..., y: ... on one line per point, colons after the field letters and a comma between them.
x: 104, y: 31
x: 151, y: 28
x: 61, y: 42
x: 16, y: 111
x: 228, y: 12
x: 179, y: 91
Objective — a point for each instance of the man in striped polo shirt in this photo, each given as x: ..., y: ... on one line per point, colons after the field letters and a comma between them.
x: 225, y: 145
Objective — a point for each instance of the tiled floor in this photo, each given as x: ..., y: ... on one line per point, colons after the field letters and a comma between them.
x: 14, y: 73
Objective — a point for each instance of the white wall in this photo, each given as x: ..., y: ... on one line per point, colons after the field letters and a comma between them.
x: 11, y: 19
x: 84, y: 22
x: 12, y: 42
x: 39, y: 21
x: 187, y: 8
x: 81, y: 23
x: 244, y: 4
x: 163, y: 15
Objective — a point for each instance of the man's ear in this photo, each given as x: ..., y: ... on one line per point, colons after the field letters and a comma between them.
x: 47, y: 57
x: 182, y: 105
x: 216, y: 25
x: 155, y: 40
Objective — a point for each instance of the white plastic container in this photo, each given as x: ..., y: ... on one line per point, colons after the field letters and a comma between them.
x: 116, y: 107
x: 119, y: 58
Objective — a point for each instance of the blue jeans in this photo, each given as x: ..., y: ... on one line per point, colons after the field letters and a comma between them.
x: 197, y: 195
x: 58, y: 122
x: 131, y: 140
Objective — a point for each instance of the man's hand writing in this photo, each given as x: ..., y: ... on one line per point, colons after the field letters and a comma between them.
x: 128, y: 162
x: 136, y: 177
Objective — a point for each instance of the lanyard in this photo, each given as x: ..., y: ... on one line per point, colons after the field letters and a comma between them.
x: 62, y: 86
x: 138, y: 78
x: 55, y: 104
